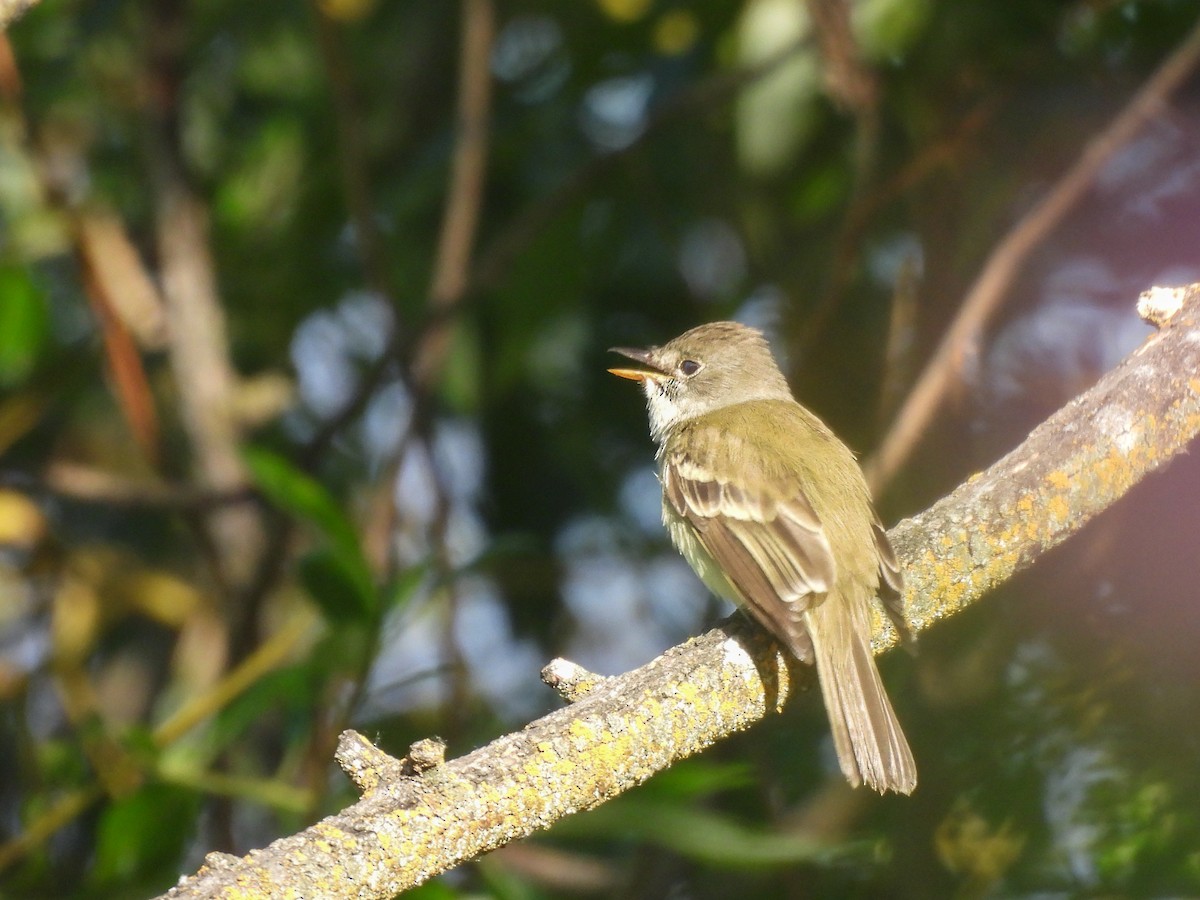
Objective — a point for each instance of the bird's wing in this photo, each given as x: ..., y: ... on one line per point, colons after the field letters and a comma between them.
x: 891, y: 583
x: 768, y: 540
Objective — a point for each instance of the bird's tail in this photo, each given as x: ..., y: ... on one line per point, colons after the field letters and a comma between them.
x: 870, y: 744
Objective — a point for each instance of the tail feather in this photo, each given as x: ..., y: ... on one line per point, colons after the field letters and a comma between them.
x: 870, y: 744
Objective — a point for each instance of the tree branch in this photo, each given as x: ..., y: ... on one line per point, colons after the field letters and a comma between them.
x: 198, y: 347
x: 421, y: 816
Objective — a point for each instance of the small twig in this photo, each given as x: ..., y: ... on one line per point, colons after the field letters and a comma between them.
x: 131, y: 386
x: 352, y: 156
x: 424, y: 357
x: 848, y: 79
x: 450, y: 276
x: 861, y: 212
x: 267, y: 657
x: 62, y: 812
x: 855, y: 88
x: 86, y: 484
x: 1006, y: 259
x: 465, y: 196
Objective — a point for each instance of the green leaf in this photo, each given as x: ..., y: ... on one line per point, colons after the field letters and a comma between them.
x: 24, y: 324
x: 289, y: 694
x: 300, y: 494
x: 887, y: 28
x: 699, y: 778
x: 405, y: 586
x: 706, y: 836
x: 504, y: 884
x: 338, y: 587
x: 460, y: 376
x: 338, y: 577
x: 433, y: 890
x: 143, y: 833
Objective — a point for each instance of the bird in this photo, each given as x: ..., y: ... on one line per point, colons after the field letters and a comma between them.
x: 773, y: 513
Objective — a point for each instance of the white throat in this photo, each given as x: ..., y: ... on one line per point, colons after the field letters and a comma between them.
x: 664, y: 406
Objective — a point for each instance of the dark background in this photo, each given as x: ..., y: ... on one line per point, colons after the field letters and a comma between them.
x: 432, y: 540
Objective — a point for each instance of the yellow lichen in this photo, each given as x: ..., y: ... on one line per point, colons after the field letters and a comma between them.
x: 581, y: 730
x: 1059, y: 479
x: 1059, y: 510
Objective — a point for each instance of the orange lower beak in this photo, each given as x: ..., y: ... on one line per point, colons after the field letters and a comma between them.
x: 631, y: 374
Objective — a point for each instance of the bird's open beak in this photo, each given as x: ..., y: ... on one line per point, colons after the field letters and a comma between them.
x: 645, y: 357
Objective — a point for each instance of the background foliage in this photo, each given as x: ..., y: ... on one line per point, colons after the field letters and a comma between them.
x: 421, y: 485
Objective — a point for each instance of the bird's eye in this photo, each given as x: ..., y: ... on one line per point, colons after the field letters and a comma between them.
x: 689, y: 367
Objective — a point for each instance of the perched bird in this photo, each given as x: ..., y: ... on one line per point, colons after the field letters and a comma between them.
x: 773, y: 513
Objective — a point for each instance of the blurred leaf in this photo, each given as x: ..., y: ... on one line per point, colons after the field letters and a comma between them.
x: 61, y: 763
x: 676, y: 32
x: 336, y: 575
x: 159, y: 594
x: 280, y: 64
x: 775, y: 113
x: 461, y: 371
x: 819, y: 193
x: 20, y: 412
x: 433, y: 890
x: 700, y: 778
x: 128, y: 379
x: 625, y: 10
x: 143, y: 833
x: 887, y: 28
x: 969, y: 845
x: 289, y: 693
x: 337, y: 587
x: 706, y: 836
x: 261, y: 194
x: 402, y: 588
x: 300, y: 494
x: 347, y: 10
x: 23, y: 324
x: 504, y: 884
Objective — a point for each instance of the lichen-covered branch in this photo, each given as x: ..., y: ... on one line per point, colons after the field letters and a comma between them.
x: 1074, y: 465
x: 420, y: 816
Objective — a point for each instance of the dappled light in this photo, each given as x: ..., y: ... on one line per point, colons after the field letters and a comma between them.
x: 309, y: 458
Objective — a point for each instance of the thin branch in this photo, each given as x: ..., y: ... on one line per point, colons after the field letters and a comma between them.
x: 861, y: 213
x: 465, y: 197
x: 352, y: 154
x: 81, y: 483
x: 265, y: 658
x: 1005, y: 262
x: 425, y: 356
x: 130, y: 384
x: 198, y: 346
x: 450, y: 278
x: 855, y: 87
x: 62, y: 811
x: 420, y: 816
